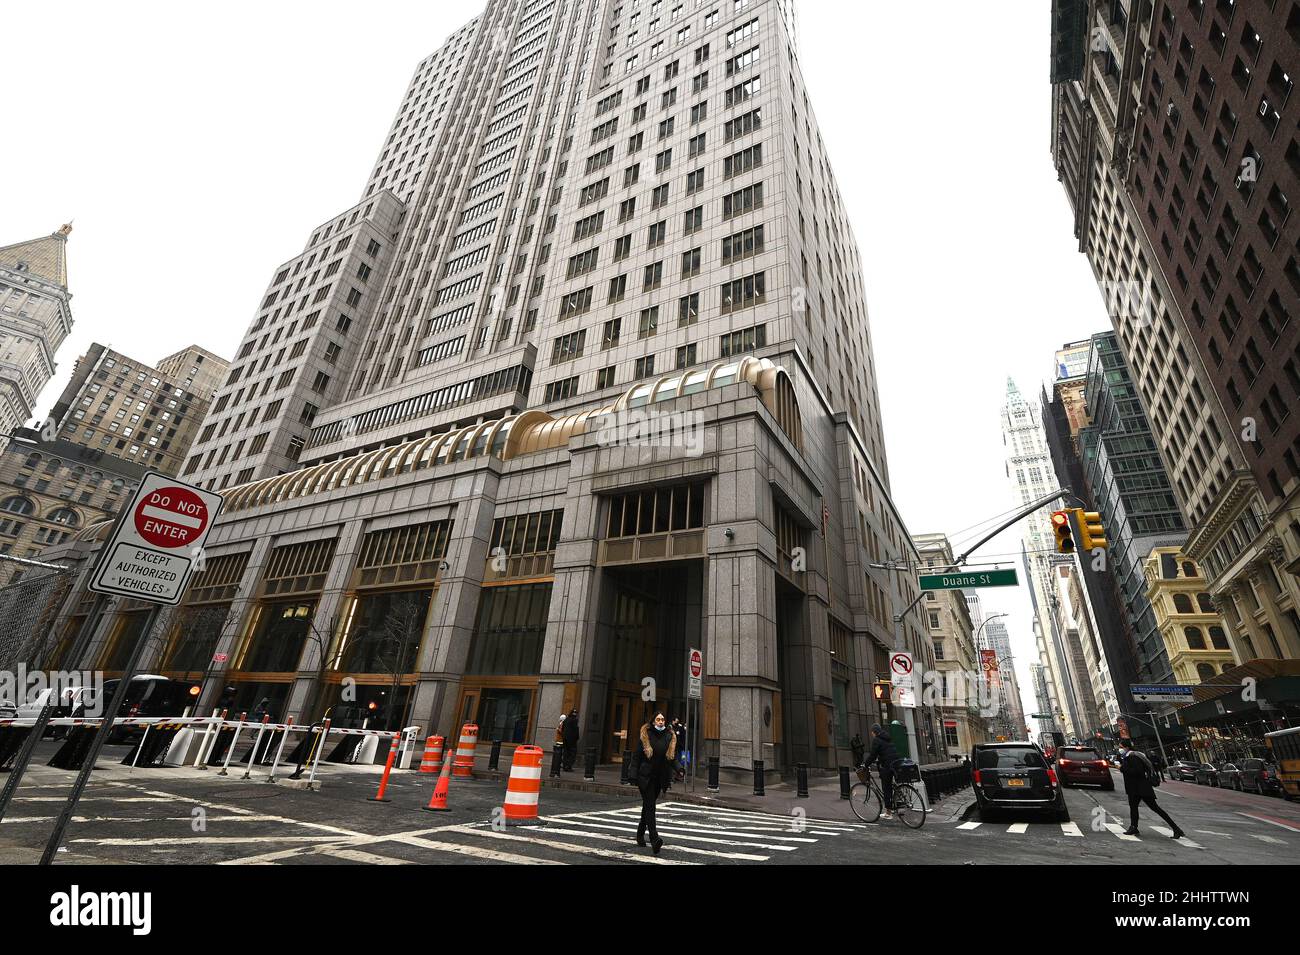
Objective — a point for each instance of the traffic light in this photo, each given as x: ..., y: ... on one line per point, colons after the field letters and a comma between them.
x: 881, y: 689
x: 1064, y: 534
x: 1092, y: 534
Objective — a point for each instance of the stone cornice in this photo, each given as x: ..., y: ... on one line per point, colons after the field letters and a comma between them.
x: 1223, y: 510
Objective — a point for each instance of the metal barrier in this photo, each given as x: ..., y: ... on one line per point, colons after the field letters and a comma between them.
x: 944, y: 780
x: 30, y: 598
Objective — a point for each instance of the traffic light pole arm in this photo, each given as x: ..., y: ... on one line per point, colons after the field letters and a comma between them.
x: 1064, y: 492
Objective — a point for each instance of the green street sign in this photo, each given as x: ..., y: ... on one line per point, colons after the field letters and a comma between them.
x: 1040, y: 716
x: 965, y: 581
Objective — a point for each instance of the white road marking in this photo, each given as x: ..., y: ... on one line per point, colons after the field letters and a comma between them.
x: 685, y: 825
x: 1279, y: 842
x: 561, y: 846
x: 613, y: 824
x: 1184, y: 841
x: 1071, y: 829
x: 1118, y: 831
x: 724, y: 812
x: 365, y: 858
x: 741, y: 856
x: 1206, y: 832
x: 95, y: 799
x: 970, y: 825
x: 200, y: 839
x: 1271, y: 822
x: 1018, y: 828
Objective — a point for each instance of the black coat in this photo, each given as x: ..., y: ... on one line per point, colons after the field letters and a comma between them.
x: 882, y: 752
x: 569, y: 730
x: 1137, y: 771
x: 652, y: 760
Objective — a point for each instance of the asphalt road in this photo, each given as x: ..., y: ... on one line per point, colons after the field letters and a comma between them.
x: 153, y: 816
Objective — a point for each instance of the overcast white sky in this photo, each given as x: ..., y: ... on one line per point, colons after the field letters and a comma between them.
x: 195, y: 146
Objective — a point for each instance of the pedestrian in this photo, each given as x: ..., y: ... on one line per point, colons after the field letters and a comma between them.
x: 679, y: 766
x: 652, y: 768
x: 1139, y: 775
x: 569, y: 736
x: 885, y: 755
x: 1158, y: 764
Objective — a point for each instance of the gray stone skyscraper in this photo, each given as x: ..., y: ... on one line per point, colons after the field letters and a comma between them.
x: 588, y: 215
x: 35, y: 318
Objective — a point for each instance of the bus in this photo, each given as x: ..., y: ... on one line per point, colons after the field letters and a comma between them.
x: 1284, y: 745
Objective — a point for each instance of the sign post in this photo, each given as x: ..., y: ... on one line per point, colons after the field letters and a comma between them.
x: 150, y: 556
x: 694, y: 693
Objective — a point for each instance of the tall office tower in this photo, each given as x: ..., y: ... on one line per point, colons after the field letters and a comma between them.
x: 1043, y: 700
x: 1133, y: 495
x: 584, y: 206
x: 1173, y: 134
x: 199, y: 371
x: 121, y: 407
x: 35, y: 318
x: 1011, y: 713
x: 295, y: 357
x: 1029, y: 469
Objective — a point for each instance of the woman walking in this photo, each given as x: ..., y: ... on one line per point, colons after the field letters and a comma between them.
x: 652, y: 768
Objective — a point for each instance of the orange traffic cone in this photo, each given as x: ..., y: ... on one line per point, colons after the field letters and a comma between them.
x: 438, y: 801
x: 524, y: 787
x: 432, y: 755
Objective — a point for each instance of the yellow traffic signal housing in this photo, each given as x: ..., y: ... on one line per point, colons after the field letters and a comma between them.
x: 1092, y: 533
x: 1064, y: 534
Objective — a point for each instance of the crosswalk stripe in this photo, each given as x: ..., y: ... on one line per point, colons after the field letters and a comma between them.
x: 537, y: 838
x: 792, y: 824
x: 1184, y: 841
x: 365, y: 858
x: 970, y: 825
x: 722, y: 811
x: 1018, y: 828
x: 492, y: 855
x: 617, y: 826
x: 606, y: 837
x: 632, y: 817
x: 1118, y: 831
x: 1071, y: 829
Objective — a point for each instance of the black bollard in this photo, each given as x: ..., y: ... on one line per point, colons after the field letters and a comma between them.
x: 589, y: 765
x: 624, y: 779
x: 494, y: 760
x: 556, y: 752
x: 844, y: 782
x: 759, y: 788
x: 801, y: 777
x: 714, y: 764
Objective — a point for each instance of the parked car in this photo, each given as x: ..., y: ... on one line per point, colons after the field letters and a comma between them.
x: 1272, y: 782
x: 1083, y: 764
x: 1253, y: 777
x: 149, y: 695
x: 1229, y: 776
x: 1015, y: 776
x: 1207, y: 774
x: 1182, y: 770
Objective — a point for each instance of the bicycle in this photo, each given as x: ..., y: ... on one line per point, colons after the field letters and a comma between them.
x: 866, y: 800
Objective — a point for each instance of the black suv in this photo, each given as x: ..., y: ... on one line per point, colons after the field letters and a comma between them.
x: 1015, y: 776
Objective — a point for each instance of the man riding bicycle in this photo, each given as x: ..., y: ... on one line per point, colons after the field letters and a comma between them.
x: 885, y: 755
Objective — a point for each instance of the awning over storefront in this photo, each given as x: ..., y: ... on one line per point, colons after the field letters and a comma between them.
x: 1238, y: 692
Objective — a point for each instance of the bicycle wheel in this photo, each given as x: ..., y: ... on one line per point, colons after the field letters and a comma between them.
x: 908, y: 806
x: 865, y: 802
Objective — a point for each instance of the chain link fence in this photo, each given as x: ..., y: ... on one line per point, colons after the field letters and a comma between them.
x: 29, y: 604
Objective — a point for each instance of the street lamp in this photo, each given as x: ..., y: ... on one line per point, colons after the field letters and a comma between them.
x: 983, y: 624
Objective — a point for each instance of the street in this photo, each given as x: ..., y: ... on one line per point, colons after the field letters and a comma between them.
x: 185, y: 816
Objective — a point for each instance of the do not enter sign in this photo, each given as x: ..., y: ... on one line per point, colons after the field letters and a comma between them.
x: 171, y: 517
x: 697, y: 663
x: 157, y: 541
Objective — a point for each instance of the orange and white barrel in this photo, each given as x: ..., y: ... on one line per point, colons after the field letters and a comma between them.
x: 432, y: 758
x: 524, y: 788
x: 463, y: 767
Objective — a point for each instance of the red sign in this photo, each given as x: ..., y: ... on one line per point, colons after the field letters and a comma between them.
x: 697, y: 663
x: 219, y: 658
x: 171, y: 517
x: 901, y: 663
x: 989, y: 659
